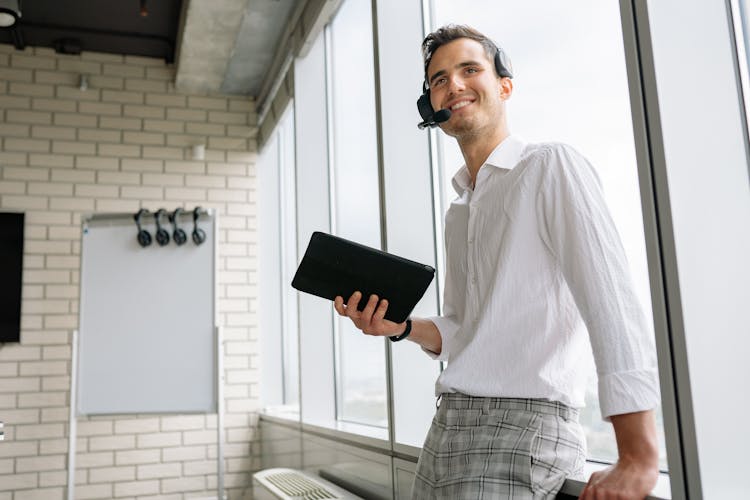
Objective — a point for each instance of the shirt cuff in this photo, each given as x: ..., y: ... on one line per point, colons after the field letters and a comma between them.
x: 447, y: 327
x: 628, y: 392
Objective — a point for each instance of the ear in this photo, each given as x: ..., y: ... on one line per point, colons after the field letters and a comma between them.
x: 505, y: 86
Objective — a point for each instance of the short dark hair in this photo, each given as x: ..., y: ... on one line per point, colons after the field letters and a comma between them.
x: 449, y: 33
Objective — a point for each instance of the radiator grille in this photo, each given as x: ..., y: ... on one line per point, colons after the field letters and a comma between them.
x: 298, y: 486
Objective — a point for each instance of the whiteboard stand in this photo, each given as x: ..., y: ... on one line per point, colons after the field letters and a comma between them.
x: 109, y: 228
x: 220, y: 414
x: 72, y: 429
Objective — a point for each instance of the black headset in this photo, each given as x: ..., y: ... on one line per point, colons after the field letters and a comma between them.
x: 431, y: 118
x: 162, y: 235
x: 199, y: 235
x: 178, y: 233
x: 144, y: 237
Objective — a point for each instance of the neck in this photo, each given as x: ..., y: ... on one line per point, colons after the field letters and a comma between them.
x: 477, y: 148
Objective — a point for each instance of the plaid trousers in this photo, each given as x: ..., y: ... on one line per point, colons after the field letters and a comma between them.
x: 499, y: 448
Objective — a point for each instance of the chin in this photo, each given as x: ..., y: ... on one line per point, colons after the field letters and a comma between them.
x: 458, y: 129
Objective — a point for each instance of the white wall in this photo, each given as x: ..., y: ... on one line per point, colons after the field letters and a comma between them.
x: 118, y: 146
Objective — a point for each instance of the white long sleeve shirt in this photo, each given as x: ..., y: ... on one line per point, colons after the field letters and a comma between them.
x: 533, y: 263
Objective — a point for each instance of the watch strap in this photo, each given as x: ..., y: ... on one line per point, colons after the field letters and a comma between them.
x: 406, y: 333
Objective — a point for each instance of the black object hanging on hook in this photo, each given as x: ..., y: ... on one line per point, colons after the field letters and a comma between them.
x: 144, y: 237
x: 162, y: 235
x: 199, y: 235
x: 178, y: 234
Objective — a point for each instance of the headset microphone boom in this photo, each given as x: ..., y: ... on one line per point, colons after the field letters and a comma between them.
x: 439, y: 116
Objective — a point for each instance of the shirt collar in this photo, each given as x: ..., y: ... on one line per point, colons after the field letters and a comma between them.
x: 505, y: 156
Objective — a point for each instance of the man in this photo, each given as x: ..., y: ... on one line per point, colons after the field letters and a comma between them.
x: 533, y: 264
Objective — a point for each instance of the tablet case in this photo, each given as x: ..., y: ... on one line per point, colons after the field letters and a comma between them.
x: 334, y: 266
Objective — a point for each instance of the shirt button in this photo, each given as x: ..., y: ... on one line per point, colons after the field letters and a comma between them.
x: 473, y: 279
x: 471, y: 240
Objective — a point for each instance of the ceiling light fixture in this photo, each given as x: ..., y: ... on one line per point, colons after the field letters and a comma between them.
x: 144, y: 9
x: 10, y: 13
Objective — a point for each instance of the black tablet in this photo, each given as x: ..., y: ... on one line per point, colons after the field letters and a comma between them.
x: 334, y: 266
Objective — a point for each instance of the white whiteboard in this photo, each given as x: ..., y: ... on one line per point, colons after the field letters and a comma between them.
x: 147, y: 341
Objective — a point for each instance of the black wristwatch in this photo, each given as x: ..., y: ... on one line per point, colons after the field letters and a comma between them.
x: 406, y: 333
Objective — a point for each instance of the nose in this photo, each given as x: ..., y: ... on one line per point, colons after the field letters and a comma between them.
x: 455, y: 84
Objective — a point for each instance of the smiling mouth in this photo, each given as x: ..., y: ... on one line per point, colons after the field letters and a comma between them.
x: 459, y: 105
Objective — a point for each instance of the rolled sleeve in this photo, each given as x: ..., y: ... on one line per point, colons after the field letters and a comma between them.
x: 447, y: 326
x: 628, y: 392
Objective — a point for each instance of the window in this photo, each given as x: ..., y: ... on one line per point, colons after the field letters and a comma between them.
x: 317, y: 382
x: 410, y: 208
x: 356, y: 207
x: 278, y: 262
x: 288, y: 253
x: 570, y: 85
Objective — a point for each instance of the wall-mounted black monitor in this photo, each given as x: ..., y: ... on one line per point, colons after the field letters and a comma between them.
x: 11, y: 275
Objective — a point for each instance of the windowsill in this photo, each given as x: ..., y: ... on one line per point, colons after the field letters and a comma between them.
x: 354, y: 433
x: 284, y: 413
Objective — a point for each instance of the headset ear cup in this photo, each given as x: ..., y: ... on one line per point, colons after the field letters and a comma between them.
x: 503, y: 66
x: 199, y: 236
x: 162, y: 237
x: 144, y: 238
x: 179, y: 236
x: 425, y: 106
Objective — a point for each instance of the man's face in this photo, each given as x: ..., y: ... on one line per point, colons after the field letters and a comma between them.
x: 462, y: 78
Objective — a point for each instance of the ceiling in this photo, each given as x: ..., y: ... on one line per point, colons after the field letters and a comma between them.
x: 99, y: 25
x: 228, y: 46
x: 224, y: 46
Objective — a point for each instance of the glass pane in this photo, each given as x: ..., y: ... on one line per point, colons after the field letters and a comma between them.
x: 269, y: 283
x: 409, y: 207
x: 317, y: 393
x: 278, y: 256
x: 361, y: 359
x: 288, y: 257
x: 570, y: 85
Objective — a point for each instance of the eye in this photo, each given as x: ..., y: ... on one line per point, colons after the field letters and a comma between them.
x: 439, y: 81
x: 471, y: 70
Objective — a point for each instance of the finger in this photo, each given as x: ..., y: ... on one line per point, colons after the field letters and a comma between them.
x: 379, y: 314
x: 585, y: 494
x: 351, y: 305
x: 366, y: 315
x: 369, y: 309
x: 338, y: 304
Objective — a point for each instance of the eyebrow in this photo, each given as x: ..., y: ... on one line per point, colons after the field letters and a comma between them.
x: 459, y: 65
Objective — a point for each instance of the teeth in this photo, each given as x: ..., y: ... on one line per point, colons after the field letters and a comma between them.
x: 460, y: 105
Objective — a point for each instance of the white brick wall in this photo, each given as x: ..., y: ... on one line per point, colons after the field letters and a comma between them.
x: 121, y: 145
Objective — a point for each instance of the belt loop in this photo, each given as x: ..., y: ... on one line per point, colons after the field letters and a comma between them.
x: 437, y: 401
